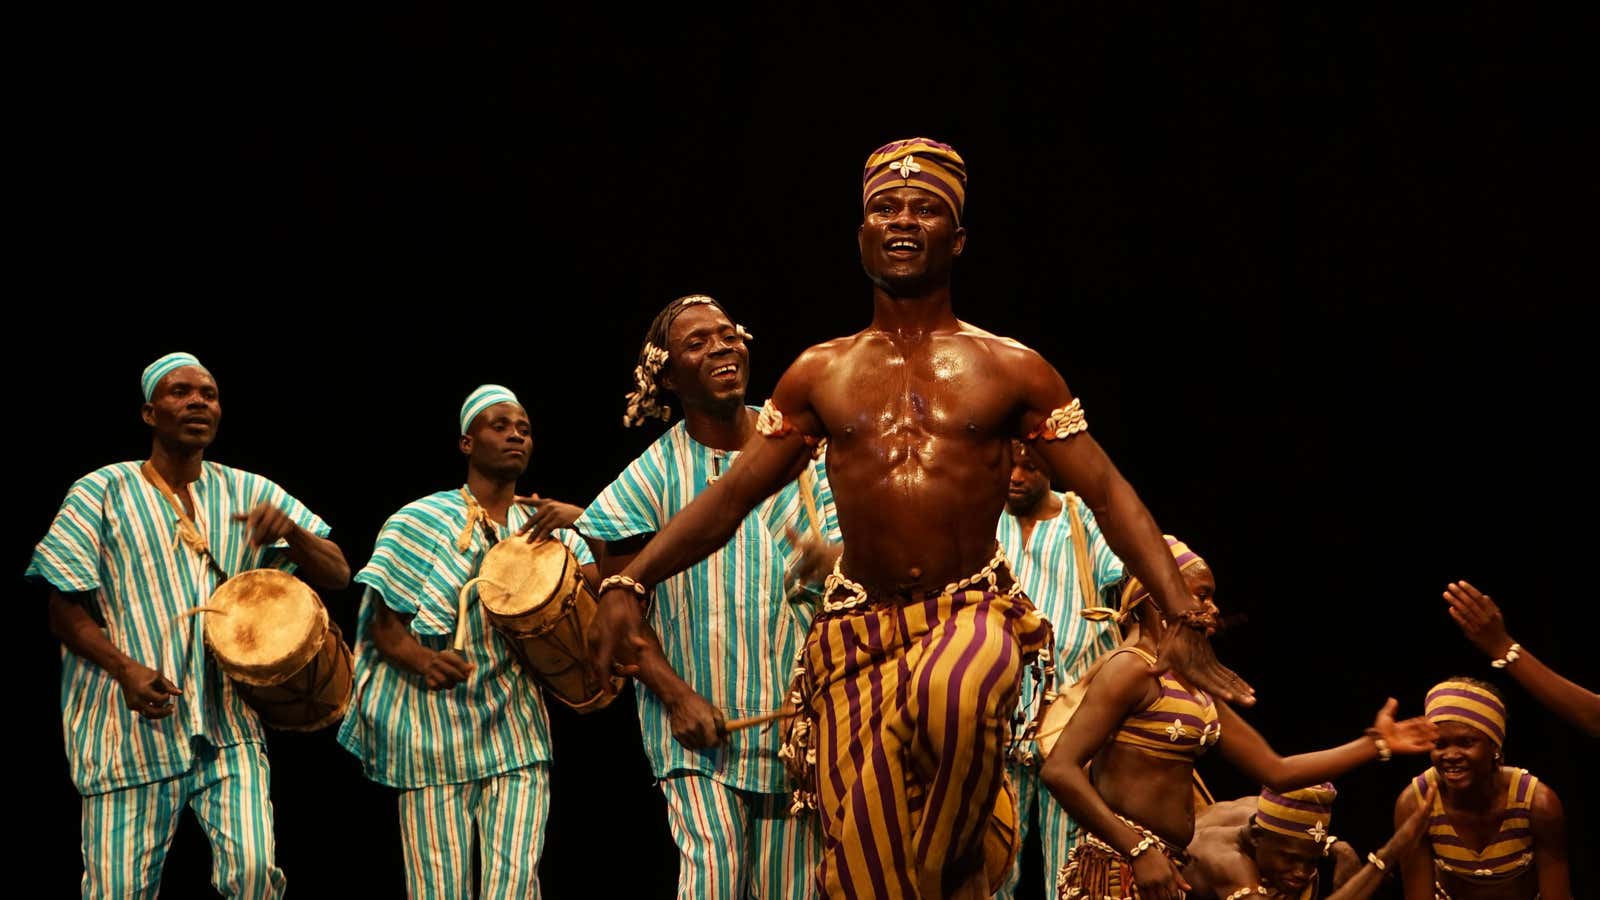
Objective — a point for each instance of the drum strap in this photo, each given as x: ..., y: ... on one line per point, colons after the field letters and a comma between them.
x: 188, y: 533
x: 476, y: 515
x: 1082, y: 563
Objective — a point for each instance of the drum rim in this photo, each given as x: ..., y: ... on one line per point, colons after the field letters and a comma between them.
x: 568, y: 560
x: 289, y: 665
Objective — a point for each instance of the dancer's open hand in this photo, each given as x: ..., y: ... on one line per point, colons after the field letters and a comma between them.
x: 1187, y: 650
x: 1479, y: 618
x: 1414, y: 735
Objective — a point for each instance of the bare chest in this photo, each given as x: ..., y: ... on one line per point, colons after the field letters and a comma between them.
x: 928, y: 389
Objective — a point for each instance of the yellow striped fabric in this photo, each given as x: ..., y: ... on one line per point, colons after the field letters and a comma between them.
x: 912, y: 701
x: 1178, y: 725
x: 1469, y: 704
x: 917, y: 162
x: 1508, y: 852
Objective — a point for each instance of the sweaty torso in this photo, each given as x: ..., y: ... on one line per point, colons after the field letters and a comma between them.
x: 1215, y: 858
x: 918, y: 430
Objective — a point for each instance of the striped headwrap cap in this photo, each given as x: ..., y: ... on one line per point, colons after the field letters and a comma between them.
x: 164, y: 366
x: 1469, y: 704
x: 483, y: 397
x: 1304, y: 814
x: 918, y: 162
x: 1135, y: 593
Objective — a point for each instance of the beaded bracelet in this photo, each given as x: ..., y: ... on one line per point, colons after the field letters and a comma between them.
x: 638, y: 589
x: 1512, y: 652
x: 1382, y: 866
x: 1148, y: 842
x: 1199, y: 618
x: 1384, y: 753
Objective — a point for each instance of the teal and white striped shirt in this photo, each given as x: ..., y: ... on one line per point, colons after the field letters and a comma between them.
x: 724, y: 623
x: 1048, y: 571
x: 405, y: 735
x: 117, y: 537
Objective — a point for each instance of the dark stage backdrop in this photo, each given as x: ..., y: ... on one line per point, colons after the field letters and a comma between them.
x: 1312, y: 273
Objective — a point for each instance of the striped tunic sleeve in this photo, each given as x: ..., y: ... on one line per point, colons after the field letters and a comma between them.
x: 632, y: 504
x: 230, y: 540
x: 68, y: 558
x: 415, y: 562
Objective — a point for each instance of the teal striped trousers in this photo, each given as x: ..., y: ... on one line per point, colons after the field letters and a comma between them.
x: 437, y: 835
x: 734, y: 845
x: 126, y: 833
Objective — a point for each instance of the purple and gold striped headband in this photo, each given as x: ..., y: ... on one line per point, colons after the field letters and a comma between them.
x: 1304, y: 814
x: 1136, y: 593
x: 1464, y: 702
x: 918, y: 162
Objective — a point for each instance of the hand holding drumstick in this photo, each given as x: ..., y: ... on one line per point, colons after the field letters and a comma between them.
x: 321, y: 561
x: 545, y: 516
x: 146, y: 691
x: 266, y: 524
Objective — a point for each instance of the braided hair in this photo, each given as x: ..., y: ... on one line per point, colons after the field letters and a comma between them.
x: 645, y: 400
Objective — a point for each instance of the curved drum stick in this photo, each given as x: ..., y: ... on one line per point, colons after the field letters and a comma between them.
x: 808, y: 484
x: 752, y: 721
x: 462, y: 602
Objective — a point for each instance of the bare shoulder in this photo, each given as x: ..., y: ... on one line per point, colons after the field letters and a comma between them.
x: 997, y: 343
x: 817, y: 358
x: 1545, y: 805
x: 795, y: 391
x: 1124, y: 677
x: 826, y: 351
x: 1405, y: 804
x: 1028, y: 371
x: 1216, y: 863
x: 1224, y: 815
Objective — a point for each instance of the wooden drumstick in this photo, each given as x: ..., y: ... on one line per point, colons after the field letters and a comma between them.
x: 460, y: 643
x: 808, y: 483
x: 752, y: 721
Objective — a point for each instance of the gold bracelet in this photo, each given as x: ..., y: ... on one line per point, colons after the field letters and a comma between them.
x: 638, y: 589
x: 1512, y: 653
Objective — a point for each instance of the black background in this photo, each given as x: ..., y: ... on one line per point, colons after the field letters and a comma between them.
x: 1315, y: 274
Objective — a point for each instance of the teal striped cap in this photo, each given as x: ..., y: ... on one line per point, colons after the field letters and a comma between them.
x: 159, y: 369
x: 483, y: 397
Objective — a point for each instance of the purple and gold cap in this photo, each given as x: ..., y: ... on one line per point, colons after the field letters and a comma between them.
x: 918, y: 162
x: 1304, y: 814
x: 1464, y: 702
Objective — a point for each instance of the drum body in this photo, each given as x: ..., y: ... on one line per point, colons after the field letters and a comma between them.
x: 1054, y: 721
x: 272, y: 637
x: 536, y: 597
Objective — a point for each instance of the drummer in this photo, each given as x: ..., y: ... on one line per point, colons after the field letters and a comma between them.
x: 1068, y: 570
x: 722, y: 645
x: 463, y: 735
x: 150, y: 725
